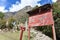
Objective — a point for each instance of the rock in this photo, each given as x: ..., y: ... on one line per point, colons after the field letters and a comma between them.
x: 0, y: 30
x: 40, y: 36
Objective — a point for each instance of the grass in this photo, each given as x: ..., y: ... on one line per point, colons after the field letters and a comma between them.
x: 25, y: 36
x: 9, y: 36
x: 13, y: 36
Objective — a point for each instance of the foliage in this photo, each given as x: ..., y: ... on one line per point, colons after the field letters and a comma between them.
x: 56, y: 11
x: 1, y: 15
x: 10, y: 22
x: 2, y: 21
x: 2, y: 24
x: 9, y: 36
x: 22, y: 19
x: 35, y: 7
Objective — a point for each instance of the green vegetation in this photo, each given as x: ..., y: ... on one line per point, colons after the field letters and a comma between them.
x: 9, y: 36
x: 10, y: 21
x: 25, y: 36
x: 2, y: 24
x: 1, y: 15
x: 13, y: 36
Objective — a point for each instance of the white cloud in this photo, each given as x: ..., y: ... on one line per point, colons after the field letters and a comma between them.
x: 15, y: 7
x: 2, y: 9
x: 18, y: 6
x: 23, y: 4
x: 29, y: 2
x: 54, y: 0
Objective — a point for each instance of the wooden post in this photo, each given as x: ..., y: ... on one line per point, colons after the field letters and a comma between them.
x: 28, y: 33
x: 22, y: 30
x: 54, y: 34
x: 21, y: 34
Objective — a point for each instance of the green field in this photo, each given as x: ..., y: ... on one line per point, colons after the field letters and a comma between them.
x: 9, y: 36
x: 13, y: 36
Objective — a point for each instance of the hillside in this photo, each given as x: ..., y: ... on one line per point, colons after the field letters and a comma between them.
x: 18, y: 14
x: 22, y: 13
x: 9, y: 14
x: 58, y: 0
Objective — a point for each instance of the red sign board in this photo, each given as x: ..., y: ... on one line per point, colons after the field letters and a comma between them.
x: 41, y: 19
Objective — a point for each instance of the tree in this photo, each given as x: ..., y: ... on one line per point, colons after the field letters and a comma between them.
x: 2, y: 24
x: 56, y: 13
x: 1, y: 15
x: 10, y: 23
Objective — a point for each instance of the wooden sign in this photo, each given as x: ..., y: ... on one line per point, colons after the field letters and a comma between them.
x: 41, y: 19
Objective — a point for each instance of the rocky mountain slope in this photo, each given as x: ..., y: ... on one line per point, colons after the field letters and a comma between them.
x: 9, y: 14
x: 19, y: 13
x: 22, y: 12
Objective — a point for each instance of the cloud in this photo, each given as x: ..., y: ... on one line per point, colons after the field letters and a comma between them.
x: 54, y: 0
x: 29, y: 2
x: 2, y: 9
x: 23, y: 3
x: 14, y: 8
x: 18, y: 5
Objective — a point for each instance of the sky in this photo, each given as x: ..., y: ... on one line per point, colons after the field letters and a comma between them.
x: 16, y: 5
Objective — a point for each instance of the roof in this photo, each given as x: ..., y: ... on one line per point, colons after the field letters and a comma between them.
x: 40, y: 9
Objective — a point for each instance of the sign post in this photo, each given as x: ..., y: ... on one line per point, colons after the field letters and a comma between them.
x: 54, y: 34
x: 40, y: 17
x: 28, y: 33
x: 22, y: 28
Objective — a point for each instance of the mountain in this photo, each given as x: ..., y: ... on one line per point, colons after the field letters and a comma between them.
x: 9, y: 14
x: 25, y: 9
x: 19, y: 13
x: 58, y: 0
x: 22, y: 12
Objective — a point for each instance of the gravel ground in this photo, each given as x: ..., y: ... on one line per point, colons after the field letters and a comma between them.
x: 39, y: 35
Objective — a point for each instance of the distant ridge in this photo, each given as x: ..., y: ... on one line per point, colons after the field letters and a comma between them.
x: 19, y: 13
x: 58, y: 0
